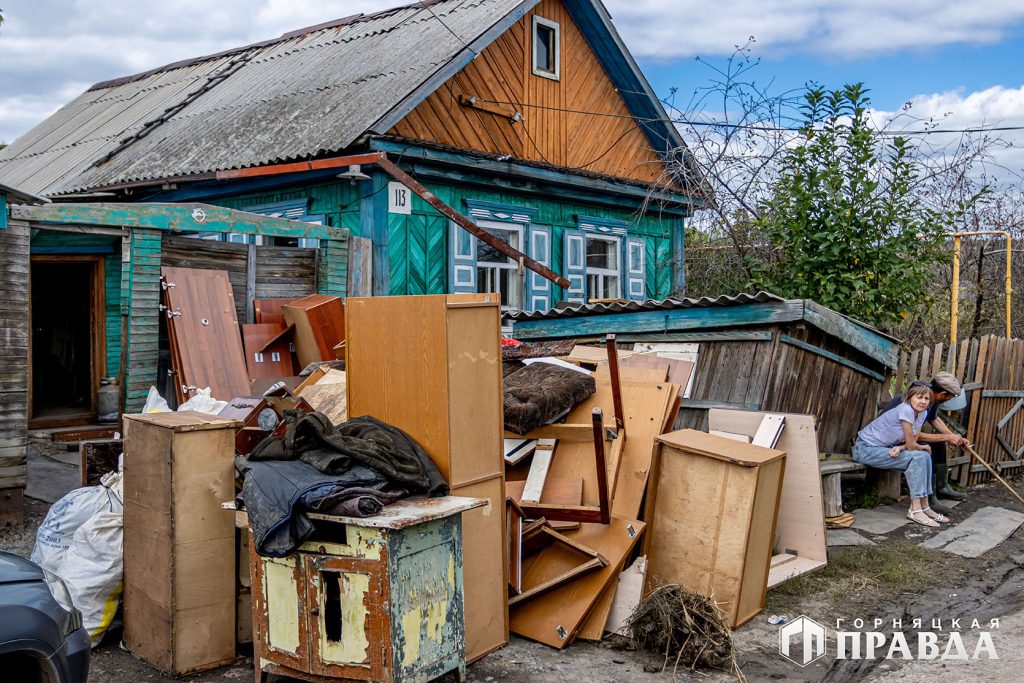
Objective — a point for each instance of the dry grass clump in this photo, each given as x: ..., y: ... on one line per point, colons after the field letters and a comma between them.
x: 688, y: 629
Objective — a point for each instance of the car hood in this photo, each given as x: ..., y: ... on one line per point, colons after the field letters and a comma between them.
x: 14, y: 569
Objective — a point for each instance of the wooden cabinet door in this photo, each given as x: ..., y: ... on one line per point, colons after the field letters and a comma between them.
x: 279, y: 603
x: 349, y: 626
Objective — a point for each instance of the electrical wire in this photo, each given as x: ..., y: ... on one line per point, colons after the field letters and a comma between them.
x: 425, y: 6
x: 748, y: 126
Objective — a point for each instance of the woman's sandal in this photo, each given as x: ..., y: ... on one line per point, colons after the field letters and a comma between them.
x: 937, y: 516
x: 924, y: 520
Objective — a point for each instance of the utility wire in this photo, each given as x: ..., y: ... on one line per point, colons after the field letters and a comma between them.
x: 749, y: 126
x: 425, y: 6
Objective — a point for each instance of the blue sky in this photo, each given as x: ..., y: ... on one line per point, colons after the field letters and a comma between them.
x: 965, y: 58
x: 893, y: 78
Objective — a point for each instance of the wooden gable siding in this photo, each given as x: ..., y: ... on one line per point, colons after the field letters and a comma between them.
x: 610, y: 143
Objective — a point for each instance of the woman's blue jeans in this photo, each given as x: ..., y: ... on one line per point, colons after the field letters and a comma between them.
x: 916, y: 465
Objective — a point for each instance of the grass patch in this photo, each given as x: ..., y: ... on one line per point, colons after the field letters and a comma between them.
x: 861, y: 496
x: 896, y: 567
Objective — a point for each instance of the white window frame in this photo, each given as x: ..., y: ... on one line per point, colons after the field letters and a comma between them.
x: 602, y: 273
x: 508, y: 264
x: 556, y: 29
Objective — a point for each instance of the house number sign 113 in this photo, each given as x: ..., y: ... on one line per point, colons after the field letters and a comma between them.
x: 399, y: 199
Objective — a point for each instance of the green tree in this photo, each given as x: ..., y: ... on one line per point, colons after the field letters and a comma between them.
x: 848, y: 226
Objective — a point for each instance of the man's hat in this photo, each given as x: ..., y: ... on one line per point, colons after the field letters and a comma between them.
x: 944, y: 381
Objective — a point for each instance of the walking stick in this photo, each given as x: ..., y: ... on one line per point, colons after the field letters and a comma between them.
x: 993, y: 472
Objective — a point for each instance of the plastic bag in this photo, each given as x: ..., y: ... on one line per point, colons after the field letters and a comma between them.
x: 203, y: 402
x: 82, y: 541
x: 65, y: 516
x: 155, y: 403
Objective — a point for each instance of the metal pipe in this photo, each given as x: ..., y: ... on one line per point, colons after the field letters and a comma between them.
x: 955, y: 303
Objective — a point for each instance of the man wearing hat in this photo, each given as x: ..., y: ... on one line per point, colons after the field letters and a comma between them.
x: 948, y: 395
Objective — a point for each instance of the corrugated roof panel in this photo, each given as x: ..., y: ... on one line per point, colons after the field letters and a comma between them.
x: 580, y: 310
x: 293, y: 98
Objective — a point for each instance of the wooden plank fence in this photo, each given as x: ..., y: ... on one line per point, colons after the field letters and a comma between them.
x: 991, y: 370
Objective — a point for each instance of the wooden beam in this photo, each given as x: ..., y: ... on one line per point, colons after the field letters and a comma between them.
x: 697, y: 404
x: 469, y: 226
x: 659, y: 320
x: 542, y: 175
x: 502, y: 110
x: 613, y: 374
x: 538, y: 474
x: 810, y: 348
x: 300, y: 166
x: 699, y: 337
x: 871, y: 343
x: 602, y: 471
x: 174, y: 217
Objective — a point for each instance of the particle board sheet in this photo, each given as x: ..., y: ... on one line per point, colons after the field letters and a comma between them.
x: 646, y: 406
x: 714, y: 519
x: 679, y: 371
x: 319, y: 326
x: 484, y: 566
x: 204, y: 330
x: 269, y: 311
x: 557, y: 491
x: 800, y: 531
x: 555, y: 618
x: 271, y: 362
x: 384, y: 381
x: 329, y: 396
x: 179, y: 543
x: 595, y: 354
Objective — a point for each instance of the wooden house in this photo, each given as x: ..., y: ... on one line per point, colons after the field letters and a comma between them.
x: 529, y: 117
x: 754, y: 352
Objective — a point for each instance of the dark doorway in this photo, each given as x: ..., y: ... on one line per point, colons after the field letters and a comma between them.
x: 64, y: 314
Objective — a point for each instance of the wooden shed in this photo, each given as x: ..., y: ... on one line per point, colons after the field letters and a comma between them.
x: 754, y: 352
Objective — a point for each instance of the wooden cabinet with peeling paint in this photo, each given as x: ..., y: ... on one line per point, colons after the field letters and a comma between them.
x: 372, y: 599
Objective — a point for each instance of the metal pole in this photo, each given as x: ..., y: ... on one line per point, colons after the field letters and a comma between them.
x: 954, y: 305
x: 956, y: 278
x: 1009, y: 284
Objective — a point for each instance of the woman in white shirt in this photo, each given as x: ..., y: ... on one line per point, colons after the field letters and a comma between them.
x: 890, y: 442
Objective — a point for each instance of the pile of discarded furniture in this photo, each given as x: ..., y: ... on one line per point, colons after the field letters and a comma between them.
x: 533, y: 488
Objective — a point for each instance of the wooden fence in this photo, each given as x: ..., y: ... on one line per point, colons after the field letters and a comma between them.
x: 991, y: 370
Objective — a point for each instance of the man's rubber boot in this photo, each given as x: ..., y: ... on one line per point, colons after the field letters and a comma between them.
x: 935, y: 505
x: 942, y: 487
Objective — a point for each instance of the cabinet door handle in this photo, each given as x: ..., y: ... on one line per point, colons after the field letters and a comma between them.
x: 315, y: 611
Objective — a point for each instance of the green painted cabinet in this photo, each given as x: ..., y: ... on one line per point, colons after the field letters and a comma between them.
x: 371, y: 599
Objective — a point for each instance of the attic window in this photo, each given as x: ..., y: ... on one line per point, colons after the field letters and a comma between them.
x: 546, y: 48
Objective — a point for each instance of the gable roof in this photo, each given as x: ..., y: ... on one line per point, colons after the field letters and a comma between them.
x: 309, y: 93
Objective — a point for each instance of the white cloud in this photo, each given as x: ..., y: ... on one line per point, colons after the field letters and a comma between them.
x: 683, y: 28
x: 50, y: 48
x: 992, y: 108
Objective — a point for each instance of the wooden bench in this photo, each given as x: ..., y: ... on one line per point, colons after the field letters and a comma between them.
x: 887, y: 482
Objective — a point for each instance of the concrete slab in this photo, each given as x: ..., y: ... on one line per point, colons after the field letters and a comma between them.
x: 979, y: 533
x: 841, y: 537
x: 49, y: 479
x: 880, y: 520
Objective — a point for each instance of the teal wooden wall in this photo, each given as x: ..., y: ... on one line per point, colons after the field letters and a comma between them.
x: 140, y: 289
x: 337, y: 200
x: 418, y: 243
